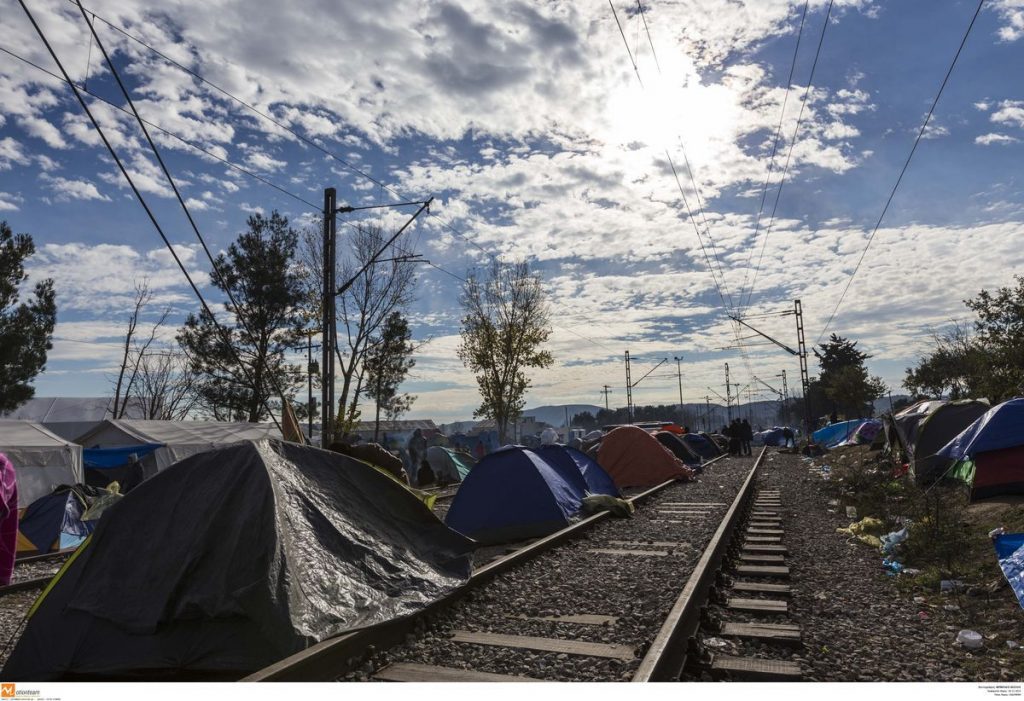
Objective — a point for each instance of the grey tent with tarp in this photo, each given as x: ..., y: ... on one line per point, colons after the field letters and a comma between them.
x: 233, y: 559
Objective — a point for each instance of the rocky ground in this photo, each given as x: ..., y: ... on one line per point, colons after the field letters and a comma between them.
x: 862, y: 624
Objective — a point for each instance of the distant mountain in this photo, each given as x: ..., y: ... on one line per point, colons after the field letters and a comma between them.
x: 555, y: 415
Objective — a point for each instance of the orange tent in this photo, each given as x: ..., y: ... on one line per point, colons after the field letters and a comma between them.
x: 635, y: 458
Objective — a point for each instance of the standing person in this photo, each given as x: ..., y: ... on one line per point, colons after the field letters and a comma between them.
x: 746, y: 435
x: 8, y: 519
x: 417, y: 448
x: 732, y: 433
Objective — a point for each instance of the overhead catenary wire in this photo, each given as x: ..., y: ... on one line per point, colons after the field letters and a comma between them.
x: 312, y: 206
x: 775, y: 145
x: 447, y: 225
x: 188, y: 214
x: 165, y: 132
x: 789, y: 156
x: 903, y: 171
x: 127, y: 176
x: 730, y: 305
x: 230, y: 164
x: 304, y: 139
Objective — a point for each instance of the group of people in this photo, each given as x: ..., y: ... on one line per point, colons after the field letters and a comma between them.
x: 740, y: 434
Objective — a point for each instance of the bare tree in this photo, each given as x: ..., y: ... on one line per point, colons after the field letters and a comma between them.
x: 165, y: 386
x: 134, y: 352
x: 384, y: 288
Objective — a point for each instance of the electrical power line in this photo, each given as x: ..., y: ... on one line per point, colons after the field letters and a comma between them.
x: 279, y: 124
x: 903, y: 171
x: 304, y: 139
x: 789, y: 155
x: 138, y: 194
x: 775, y: 146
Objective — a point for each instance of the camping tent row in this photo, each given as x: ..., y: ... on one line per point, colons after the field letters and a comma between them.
x: 265, y: 548
x: 923, y: 429
x: 49, y: 469
x: 517, y: 493
x: 988, y: 455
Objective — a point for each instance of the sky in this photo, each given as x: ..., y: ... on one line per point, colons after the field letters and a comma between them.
x: 543, y: 132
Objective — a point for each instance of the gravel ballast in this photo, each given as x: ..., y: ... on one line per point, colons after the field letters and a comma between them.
x: 857, y: 624
x: 637, y: 590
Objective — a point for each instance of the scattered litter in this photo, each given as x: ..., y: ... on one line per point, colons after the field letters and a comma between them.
x: 833, y: 502
x: 892, y: 566
x: 851, y: 512
x: 951, y: 607
x: 1012, y: 644
x: 891, y: 540
x: 948, y: 586
x: 715, y: 642
x: 922, y: 615
x: 971, y: 640
x: 997, y: 531
x: 919, y: 600
x: 911, y: 571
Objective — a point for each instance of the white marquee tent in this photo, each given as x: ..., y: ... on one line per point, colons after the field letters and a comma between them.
x: 41, y: 459
x: 180, y: 439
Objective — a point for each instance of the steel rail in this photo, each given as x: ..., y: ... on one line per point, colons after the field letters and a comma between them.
x: 25, y: 585
x: 326, y: 660
x: 666, y: 656
x: 43, y: 557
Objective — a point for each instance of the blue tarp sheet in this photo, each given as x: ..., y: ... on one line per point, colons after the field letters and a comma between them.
x: 837, y: 432
x: 107, y: 458
x: 1000, y: 427
x: 1010, y: 551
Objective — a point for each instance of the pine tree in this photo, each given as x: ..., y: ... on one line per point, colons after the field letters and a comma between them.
x: 241, y: 364
x: 26, y: 329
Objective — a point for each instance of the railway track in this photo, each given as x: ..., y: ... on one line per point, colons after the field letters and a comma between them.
x: 605, y: 599
x: 35, y: 571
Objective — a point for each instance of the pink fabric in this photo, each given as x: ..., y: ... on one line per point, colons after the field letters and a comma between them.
x: 8, y: 519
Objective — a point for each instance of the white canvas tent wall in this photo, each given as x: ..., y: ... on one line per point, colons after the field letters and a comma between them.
x: 70, y: 417
x: 41, y: 459
x: 180, y: 439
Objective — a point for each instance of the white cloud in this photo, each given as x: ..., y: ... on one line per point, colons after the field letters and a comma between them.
x: 43, y: 129
x: 989, y: 139
x: 11, y: 153
x: 65, y: 189
x: 1012, y: 13
x: 9, y: 202
x: 1010, y: 112
x: 80, y: 274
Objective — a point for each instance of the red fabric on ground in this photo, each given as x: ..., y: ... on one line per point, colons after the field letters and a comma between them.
x: 998, y: 472
x: 635, y: 458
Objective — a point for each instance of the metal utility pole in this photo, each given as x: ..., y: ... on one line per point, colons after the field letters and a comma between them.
x: 785, y: 387
x: 629, y: 392
x: 707, y: 417
x: 331, y: 290
x: 679, y: 375
x: 804, y: 380
x: 728, y: 395
x: 311, y: 369
x: 606, y: 391
x: 329, y: 322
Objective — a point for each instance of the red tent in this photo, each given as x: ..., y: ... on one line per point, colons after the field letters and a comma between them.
x: 635, y: 458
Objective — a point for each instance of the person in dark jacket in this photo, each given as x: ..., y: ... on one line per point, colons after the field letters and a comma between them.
x: 746, y: 435
x: 733, y: 433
